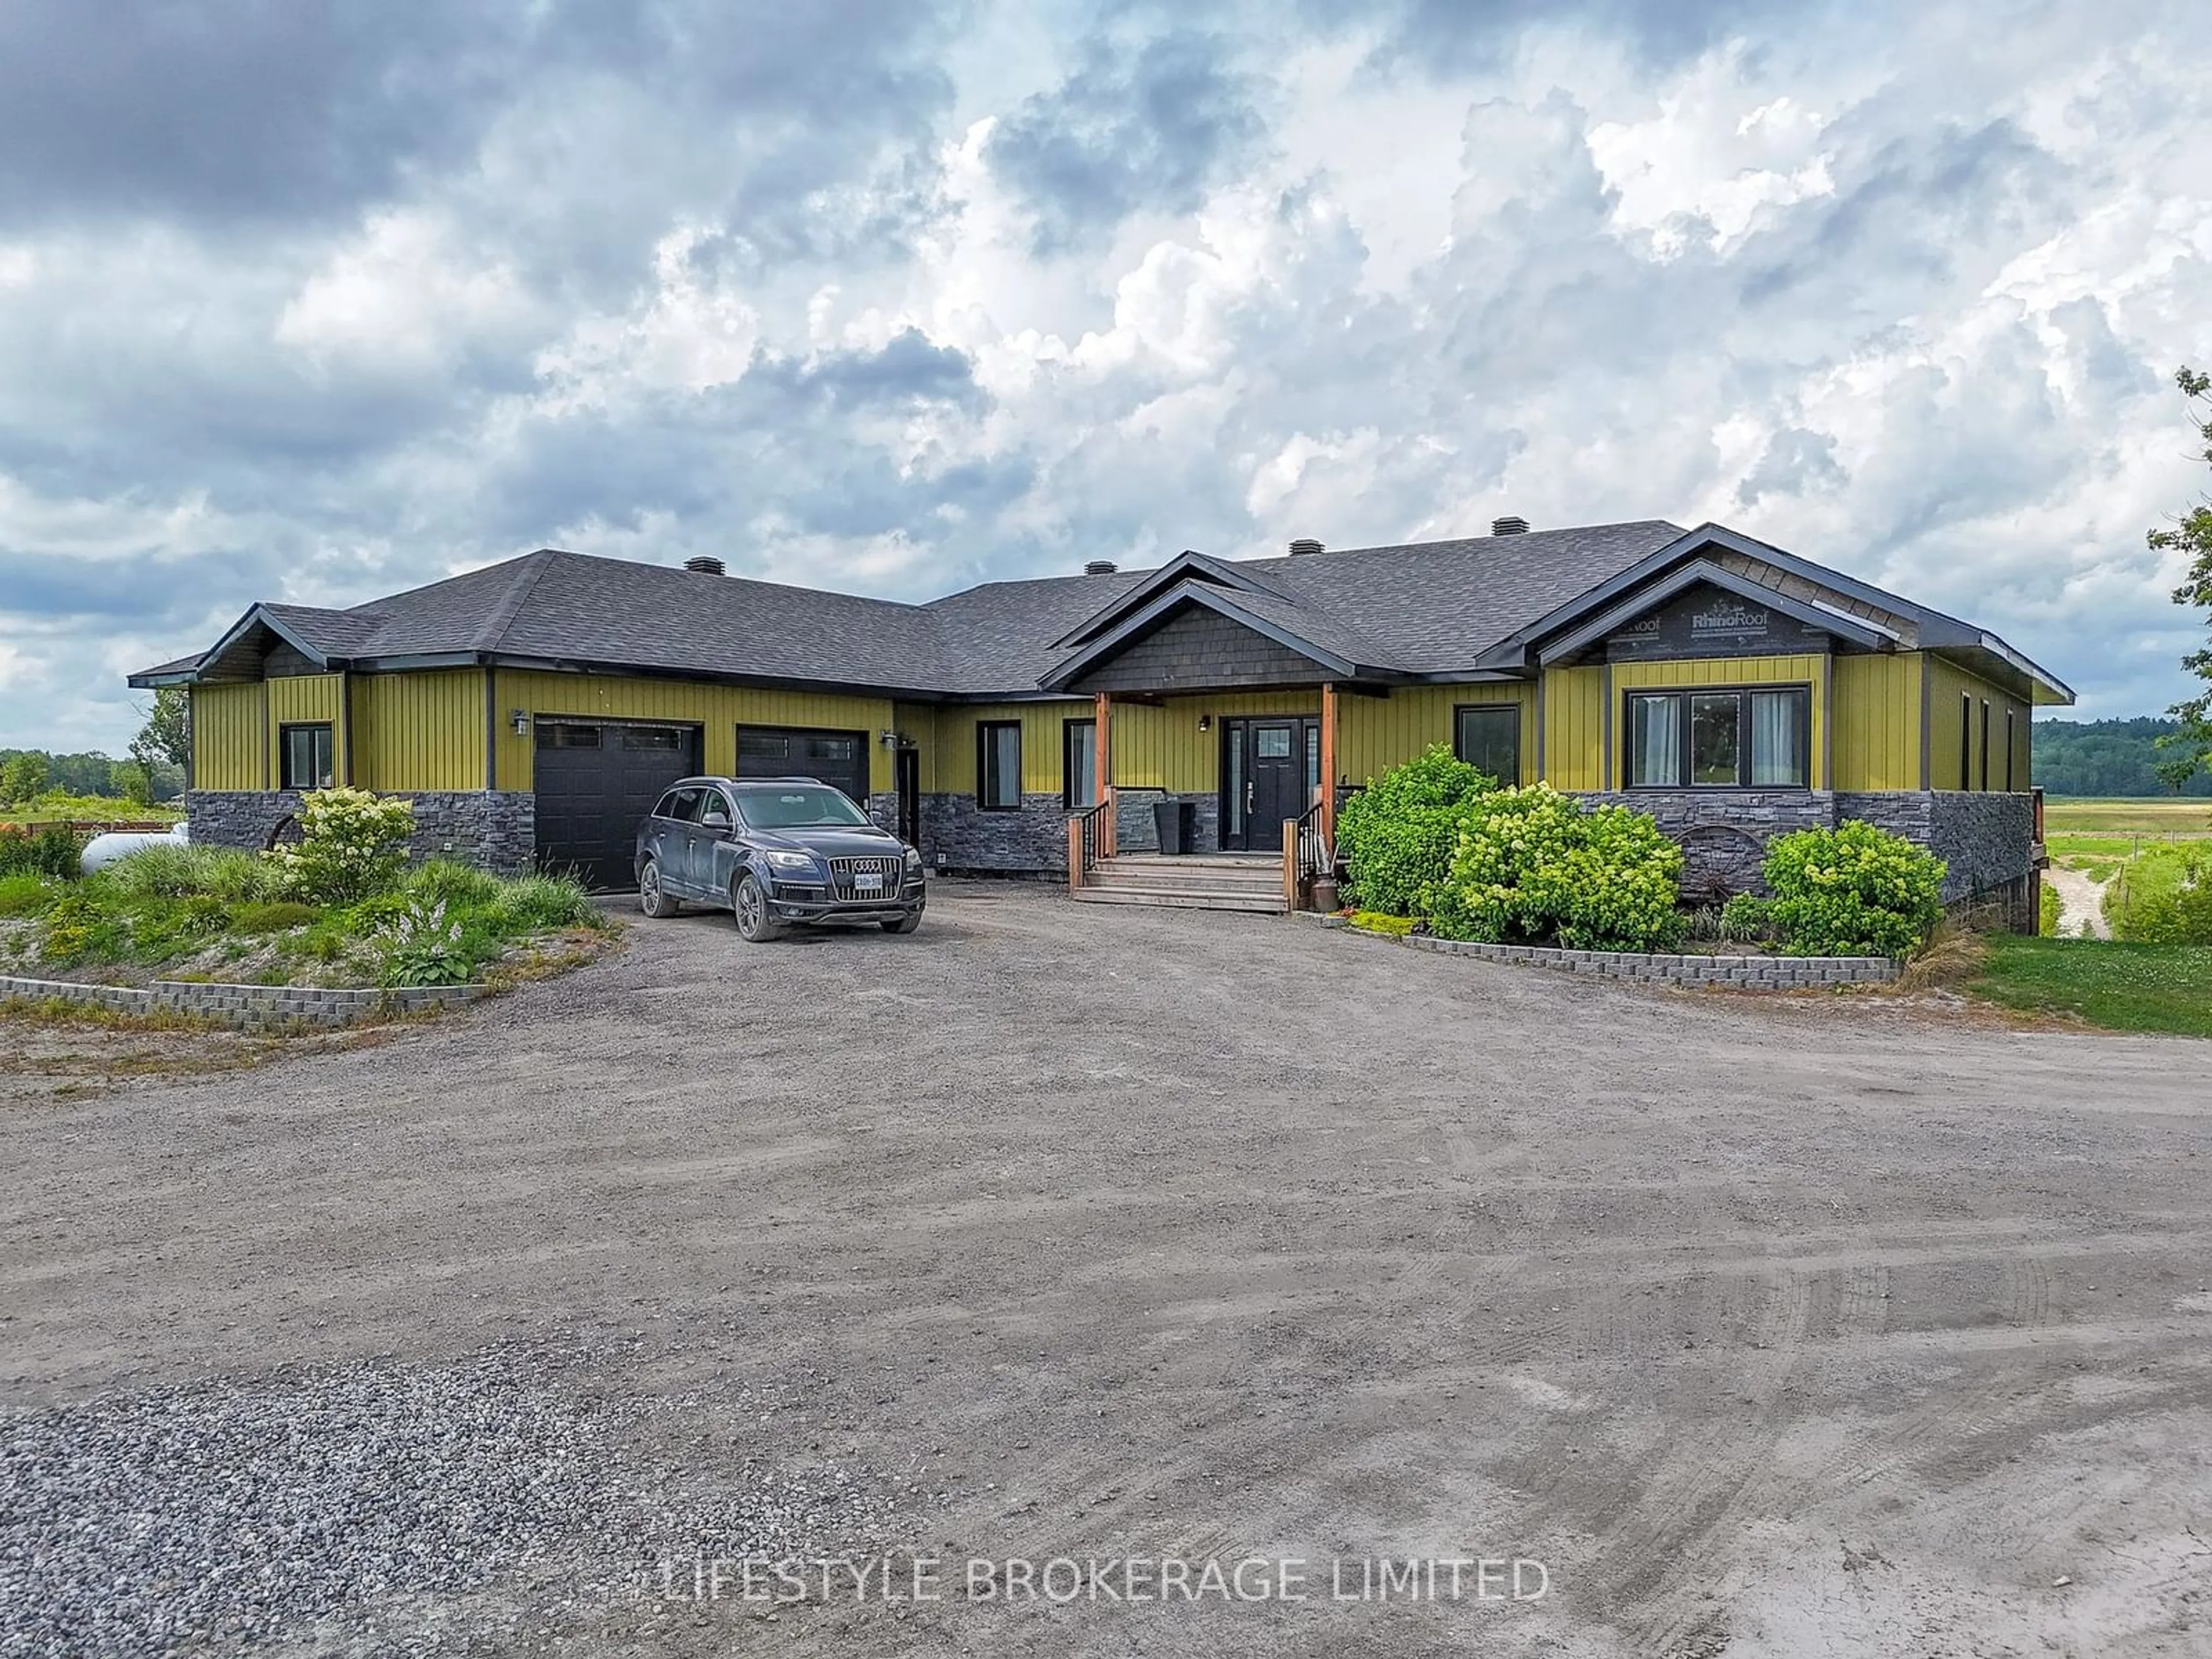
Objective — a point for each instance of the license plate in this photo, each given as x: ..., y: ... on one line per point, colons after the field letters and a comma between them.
x: 868, y: 881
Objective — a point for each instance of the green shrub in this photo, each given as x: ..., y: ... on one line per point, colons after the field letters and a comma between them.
x: 2049, y: 907
x: 27, y: 895
x: 456, y: 885
x: 424, y: 947
x: 352, y: 844
x: 1854, y: 890
x: 273, y: 916
x: 533, y: 902
x: 1397, y: 834
x: 50, y: 850
x: 79, y: 928
x: 2176, y: 915
x: 169, y: 871
x: 1532, y: 864
x: 1746, y: 918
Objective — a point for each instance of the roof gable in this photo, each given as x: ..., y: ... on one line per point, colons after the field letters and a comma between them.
x: 1195, y: 639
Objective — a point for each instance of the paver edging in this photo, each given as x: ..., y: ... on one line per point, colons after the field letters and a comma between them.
x: 249, y: 1005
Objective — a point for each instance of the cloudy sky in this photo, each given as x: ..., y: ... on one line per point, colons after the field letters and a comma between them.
x: 315, y: 300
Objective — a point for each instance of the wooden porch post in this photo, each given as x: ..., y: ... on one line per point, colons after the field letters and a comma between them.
x: 1102, y: 758
x: 1328, y: 763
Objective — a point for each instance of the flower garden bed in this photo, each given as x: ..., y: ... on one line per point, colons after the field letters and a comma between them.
x: 331, y: 930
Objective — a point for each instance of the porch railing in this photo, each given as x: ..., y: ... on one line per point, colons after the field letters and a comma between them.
x: 1086, y: 832
x: 1306, y: 855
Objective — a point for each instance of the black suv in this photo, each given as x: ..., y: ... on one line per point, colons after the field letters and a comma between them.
x: 775, y: 851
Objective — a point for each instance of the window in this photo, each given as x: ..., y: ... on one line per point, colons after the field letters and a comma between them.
x: 1966, y: 741
x: 562, y: 734
x: 2012, y: 749
x: 306, y: 751
x: 999, y: 766
x: 651, y: 740
x: 1079, y: 764
x: 1747, y: 739
x: 1985, y: 743
x: 1487, y: 736
x: 762, y: 745
x: 800, y: 806
x: 1271, y: 742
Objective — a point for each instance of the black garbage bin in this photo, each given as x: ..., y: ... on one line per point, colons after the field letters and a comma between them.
x: 1172, y: 819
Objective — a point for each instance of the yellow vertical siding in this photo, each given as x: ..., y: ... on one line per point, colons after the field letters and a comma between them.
x: 718, y: 710
x: 230, y: 742
x: 1947, y: 684
x: 1374, y: 733
x: 305, y: 699
x: 1877, y: 720
x: 424, y: 730
x: 1574, y: 727
x: 916, y: 724
x: 1042, y: 733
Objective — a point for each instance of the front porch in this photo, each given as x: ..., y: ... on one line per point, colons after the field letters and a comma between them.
x: 1253, y: 882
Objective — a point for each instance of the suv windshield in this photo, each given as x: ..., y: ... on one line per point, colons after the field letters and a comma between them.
x: 802, y: 806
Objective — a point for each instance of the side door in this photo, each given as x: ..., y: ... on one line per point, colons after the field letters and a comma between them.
x: 713, y: 846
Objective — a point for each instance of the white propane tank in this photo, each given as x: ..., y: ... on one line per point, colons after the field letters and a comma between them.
x: 103, y: 850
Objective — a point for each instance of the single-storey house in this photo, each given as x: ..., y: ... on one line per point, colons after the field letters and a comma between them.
x: 533, y: 710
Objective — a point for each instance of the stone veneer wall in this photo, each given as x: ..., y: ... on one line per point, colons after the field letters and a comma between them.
x: 255, y: 1007
x: 1723, y: 834
x: 1136, y: 831
x: 494, y: 829
x: 1987, y: 840
x: 1032, y: 841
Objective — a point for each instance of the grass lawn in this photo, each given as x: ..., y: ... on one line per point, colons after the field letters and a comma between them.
x: 2158, y: 815
x: 2123, y: 987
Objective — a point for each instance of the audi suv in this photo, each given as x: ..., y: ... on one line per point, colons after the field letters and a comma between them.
x: 775, y: 853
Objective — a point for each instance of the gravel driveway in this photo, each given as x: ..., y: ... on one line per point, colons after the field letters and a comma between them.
x: 1766, y: 1327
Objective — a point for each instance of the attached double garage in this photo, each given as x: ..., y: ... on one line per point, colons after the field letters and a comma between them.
x: 595, y: 780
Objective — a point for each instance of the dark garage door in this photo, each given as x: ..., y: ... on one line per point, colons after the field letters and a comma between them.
x: 596, y: 780
x: 792, y: 751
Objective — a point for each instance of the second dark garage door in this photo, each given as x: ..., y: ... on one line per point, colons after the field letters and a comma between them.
x: 792, y: 751
x: 596, y: 780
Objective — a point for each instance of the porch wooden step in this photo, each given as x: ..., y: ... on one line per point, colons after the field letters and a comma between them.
x: 1186, y: 898
x: 1117, y: 871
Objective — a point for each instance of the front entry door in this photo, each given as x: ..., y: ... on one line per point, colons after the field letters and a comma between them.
x: 1264, y: 780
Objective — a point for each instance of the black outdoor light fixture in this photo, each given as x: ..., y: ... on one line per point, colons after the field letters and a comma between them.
x: 519, y: 720
x: 1205, y: 722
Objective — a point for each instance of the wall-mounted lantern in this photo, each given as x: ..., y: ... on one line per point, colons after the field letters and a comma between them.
x: 891, y: 739
x: 519, y: 720
x: 1205, y: 722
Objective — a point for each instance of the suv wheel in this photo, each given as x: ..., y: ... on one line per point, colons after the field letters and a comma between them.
x: 652, y: 898
x: 749, y: 903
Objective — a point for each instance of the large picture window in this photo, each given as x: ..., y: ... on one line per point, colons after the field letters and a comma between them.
x: 1078, y: 769
x: 999, y: 766
x: 1736, y: 740
x: 1487, y: 736
x: 308, y: 757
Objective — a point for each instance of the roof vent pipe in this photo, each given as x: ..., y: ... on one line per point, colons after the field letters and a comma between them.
x: 1100, y: 567
x: 705, y: 564
x: 1513, y: 526
x: 1305, y: 545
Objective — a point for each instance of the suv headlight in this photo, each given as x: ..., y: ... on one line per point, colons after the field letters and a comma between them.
x: 782, y: 861
x: 914, y: 858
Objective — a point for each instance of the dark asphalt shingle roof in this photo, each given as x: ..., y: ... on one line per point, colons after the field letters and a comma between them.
x: 1427, y: 607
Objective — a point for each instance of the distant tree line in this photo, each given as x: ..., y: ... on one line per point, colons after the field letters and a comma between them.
x: 2109, y: 758
x: 153, y: 770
